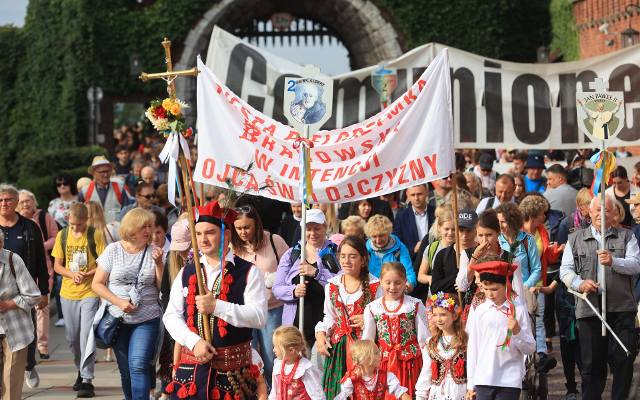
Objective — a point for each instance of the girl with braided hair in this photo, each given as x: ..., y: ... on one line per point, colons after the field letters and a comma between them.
x: 346, y: 296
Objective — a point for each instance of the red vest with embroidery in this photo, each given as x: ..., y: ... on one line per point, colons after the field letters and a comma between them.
x: 361, y: 392
x: 440, y: 366
x: 397, y: 333
x: 343, y: 327
x: 292, y: 391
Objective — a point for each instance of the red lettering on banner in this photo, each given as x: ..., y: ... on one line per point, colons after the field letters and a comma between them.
x: 383, y: 136
x: 431, y: 161
x: 235, y: 100
x: 401, y: 179
x: 376, y: 162
x: 292, y: 135
x: 314, y: 172
x: 283, y: 171
x: 268, y: 143
x: 409, y: 97
x: 378, y: 179
x: 342, y: 136
x: 351, y: 191
x: 250, y: 132
x: 346, y: 154
x: 391, y: 174
x: 208, y: 168
x: 341, y: 172
x: 286, y: 152
x: 367, y: 145
x: 271, y: 129
x: 417, y: 171
x: 323, y: 156
x: 421, y: 84
x: 326, y: 175
x: 269, y: 185
x: 218, y: 88
x: 236, y: 178
x: 257, y: 120
x: 253, y: 183
x: 286, y: 191
x: 395, y: 110
x: 225, y: 175
x: 354, y: 168
x: 313, y: 197
x: 294, y: 173
x: 263, y: 161
x: 361, y: 188
x: 332, y: 193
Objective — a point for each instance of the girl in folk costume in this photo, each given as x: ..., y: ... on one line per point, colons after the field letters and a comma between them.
x: 399, y: 324
x: 346, y: 296
x: 443, y: 375
x: 294, y: 377
x: 367, y: 381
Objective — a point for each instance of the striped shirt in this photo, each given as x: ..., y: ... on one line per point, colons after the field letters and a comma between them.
x: 123, y: 268
x: 16, y: 324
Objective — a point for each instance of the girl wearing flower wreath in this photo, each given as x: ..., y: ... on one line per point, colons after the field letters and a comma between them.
x: 443, y: 375
x: 366, y: 380
x: 399, y: 324
x: 346, y: 296
x: 294, y: 377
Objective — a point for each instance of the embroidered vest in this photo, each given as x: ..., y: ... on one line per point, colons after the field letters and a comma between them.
x: 343, y: 327
x: 292, y: 391
x: 361, y: 392
x: 397, y: 333
x: 111, y: 204
x: 232, y: 291
x: 440, y: 366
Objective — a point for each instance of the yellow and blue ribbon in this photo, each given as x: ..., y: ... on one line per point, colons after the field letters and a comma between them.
x: 604, y: 162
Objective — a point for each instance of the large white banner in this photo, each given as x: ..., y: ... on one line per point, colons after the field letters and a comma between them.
x: 410, y: 142
x: 495, y: 103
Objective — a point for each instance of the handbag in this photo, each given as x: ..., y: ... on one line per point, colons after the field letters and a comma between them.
x: 106, y: 332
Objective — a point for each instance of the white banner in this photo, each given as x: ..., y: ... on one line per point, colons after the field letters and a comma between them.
x: 410, y: 142
x: 495, y: 103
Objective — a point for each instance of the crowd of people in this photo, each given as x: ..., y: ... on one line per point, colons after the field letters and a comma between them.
x: 390, y: 309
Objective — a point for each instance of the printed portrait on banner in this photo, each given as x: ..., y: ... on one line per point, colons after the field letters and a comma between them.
x: 600, y: 115
x: 307, y: 106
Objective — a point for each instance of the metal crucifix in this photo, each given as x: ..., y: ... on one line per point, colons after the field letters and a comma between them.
x: 169, y: 77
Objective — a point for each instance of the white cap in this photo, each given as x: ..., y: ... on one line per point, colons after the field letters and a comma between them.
x: 316, y: 216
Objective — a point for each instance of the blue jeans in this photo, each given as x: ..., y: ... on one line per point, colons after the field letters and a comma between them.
x: 263, y: 340
x: 541, y: 332
x: 134, y: 350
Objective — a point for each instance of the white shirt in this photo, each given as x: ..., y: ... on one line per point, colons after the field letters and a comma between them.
x: 348, y: 299
x: 165, y: 249
x: 393, y: 386
x: 462, y: 283
x: 629, y: 265
x: 409, y: 305
x: 487, y: 363
x: 422, y: 223
x: 306, y: 371
x: 484, y: 204
x: 252, y: 314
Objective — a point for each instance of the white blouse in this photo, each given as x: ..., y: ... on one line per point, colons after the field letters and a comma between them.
x: 306, y: 372
x: 448, y: 388
x: 393, y: 386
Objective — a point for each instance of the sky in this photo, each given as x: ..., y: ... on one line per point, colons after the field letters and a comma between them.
x: 332, y: 59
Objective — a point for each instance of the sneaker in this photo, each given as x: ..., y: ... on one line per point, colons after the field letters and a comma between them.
x: 32, y: 378
x: 86, y: 390
x: 545, y: 363
x: 570, y: 396
x: 77, y: 383
x: 44, y: 356
x: 59, y: 323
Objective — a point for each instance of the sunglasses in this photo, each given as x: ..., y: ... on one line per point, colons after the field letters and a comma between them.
x: 58, y: 184
x: 148, y: 196
x: 243, y: 209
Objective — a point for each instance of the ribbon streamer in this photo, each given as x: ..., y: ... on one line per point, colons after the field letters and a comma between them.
x: 170, y: 154
x: 604, y: 162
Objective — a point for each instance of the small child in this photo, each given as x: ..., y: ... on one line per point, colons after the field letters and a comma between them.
x: 367, y: 381
x: 294, y: 377
x: 398, y: 323
x: 499, y: 337
x: 443, y: 375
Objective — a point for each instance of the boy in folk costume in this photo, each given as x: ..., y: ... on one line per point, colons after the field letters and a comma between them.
x: 235, y: 302
x: 499, y: 337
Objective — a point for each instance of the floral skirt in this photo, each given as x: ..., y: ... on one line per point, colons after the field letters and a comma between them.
x: 335, y: 367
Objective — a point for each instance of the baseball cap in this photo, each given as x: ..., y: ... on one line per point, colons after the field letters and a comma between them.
x: 180, y: 236
x: 486, y: 162
x: 535, y: 161
x: 467, y: 219
x: 316, y: 216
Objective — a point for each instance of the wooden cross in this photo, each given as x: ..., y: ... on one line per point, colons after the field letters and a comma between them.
x: 170, y: 77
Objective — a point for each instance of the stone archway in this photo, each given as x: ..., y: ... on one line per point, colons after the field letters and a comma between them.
x: 360, y: 24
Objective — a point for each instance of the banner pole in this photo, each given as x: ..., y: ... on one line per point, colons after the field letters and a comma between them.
x: 303, y: 224
x: 603, y: 279
x: 454, y: 190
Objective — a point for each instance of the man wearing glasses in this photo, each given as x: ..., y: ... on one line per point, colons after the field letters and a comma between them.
x: 145, y: 198
x: 23, y: 237
x: 110, y: 194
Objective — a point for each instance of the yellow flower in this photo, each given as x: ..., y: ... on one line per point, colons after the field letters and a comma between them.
x: 175, y: 109
x: 167, y: 103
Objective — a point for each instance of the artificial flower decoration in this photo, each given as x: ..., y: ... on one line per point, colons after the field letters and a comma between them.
x: 166, y: 117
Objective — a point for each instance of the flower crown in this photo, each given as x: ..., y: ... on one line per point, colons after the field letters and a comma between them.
x: 442, y: 300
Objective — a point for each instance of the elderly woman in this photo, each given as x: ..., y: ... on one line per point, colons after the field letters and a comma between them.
x: 128, y: 277
x: 28, y: 208
x: 252, y: 243
x: 383, y: 246
x: 18, y: 295
x: 319, y: 266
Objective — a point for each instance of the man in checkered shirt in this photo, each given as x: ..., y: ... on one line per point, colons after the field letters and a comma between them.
x: 18, y: 295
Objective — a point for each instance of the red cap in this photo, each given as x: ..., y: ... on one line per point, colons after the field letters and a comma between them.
x: 494, y: 271
x: 213, y: 213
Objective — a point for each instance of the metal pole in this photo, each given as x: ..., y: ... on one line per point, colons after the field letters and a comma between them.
x: 454, y: 193
x: 601, y: 270
x: 303, y: 224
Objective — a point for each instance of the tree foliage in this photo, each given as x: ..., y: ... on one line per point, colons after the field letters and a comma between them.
x: 565, y: 36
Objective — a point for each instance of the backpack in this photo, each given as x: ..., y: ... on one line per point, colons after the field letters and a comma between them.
x: 91, y: 231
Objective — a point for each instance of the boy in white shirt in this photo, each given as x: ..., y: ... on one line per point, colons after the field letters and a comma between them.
x: 499, y: 337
